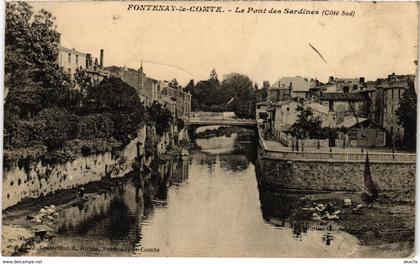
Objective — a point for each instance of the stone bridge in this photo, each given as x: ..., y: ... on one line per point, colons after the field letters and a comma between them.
x: 197, y: 122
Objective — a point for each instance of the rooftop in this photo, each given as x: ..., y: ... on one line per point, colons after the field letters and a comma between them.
x: 298, y: 83
x: 351, y: 121
x: 61, y: 48
x: 345, y: 96
x: 318, y: 107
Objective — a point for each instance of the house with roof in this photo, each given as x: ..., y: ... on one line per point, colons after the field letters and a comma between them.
x: 289, y: 87
x: 387, y: 100
x: 147, y: 88
x: 70, y: 60
x: 337, y: 85
x: 346, y: 104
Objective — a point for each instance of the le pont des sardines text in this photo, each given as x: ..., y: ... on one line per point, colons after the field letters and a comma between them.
x: 238, y: 10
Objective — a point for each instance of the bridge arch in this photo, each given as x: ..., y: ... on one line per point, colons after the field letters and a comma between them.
x: 202, y: 122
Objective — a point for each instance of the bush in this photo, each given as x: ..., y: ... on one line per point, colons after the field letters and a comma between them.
x: 95, y: 126
x: 22, y: 133
x: 159, y: 117
x: 59, y: 126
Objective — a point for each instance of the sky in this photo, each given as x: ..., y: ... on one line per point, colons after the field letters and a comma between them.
x: 380, y: 39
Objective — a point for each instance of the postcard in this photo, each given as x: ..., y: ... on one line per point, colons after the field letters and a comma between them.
x: 210, y: 129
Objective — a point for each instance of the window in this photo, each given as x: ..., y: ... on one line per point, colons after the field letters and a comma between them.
x: 392, y: 93
x: 399, y: 93
x: 69, y: 70
x: 77, y: 59
x: 331, y: 105
x: 69, y: 58
x: 288, y: 109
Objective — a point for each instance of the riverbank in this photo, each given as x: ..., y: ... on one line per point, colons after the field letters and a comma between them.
x: 384, y: 230
x: 384, y: 222
x: 21, y: 234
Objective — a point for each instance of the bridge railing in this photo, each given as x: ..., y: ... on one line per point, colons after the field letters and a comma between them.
x: 195, y: 120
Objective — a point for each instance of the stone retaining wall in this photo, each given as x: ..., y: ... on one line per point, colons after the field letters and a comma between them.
x: 41, y: 179
x: 333, y: 175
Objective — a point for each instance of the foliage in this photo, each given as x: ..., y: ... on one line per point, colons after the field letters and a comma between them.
x: 407, y: 115
x: 95, y: 126
x: 31, y: 50
x: 120, y: 107
x: 20, y: 133
x: 112, y: 93
x: 58, y: 126
x: 45, y: 108
x: 83, y: 82
x: 307, y: 125
x: 234, y: 93
x: 262, y: 94
x: 244, y: 99
x: 159, y: 117
x: 328, y: 133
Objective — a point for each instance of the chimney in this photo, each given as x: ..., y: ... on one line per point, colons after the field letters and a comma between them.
x: 331, y: 79
x: 362, y: 80
x: 101, y: 59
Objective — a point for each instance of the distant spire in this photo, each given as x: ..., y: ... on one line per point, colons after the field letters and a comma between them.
x: 141, y: 66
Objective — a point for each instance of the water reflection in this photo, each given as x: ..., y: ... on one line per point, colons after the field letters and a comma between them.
x: 283, y: 210
x: 206, y: 205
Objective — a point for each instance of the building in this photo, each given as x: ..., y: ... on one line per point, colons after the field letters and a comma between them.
x: 261, y: 110
x: 337, y: 85
x: 346, y: 85
x: 287, y: 88
x: 70, y: 60
x: 388, y: 96
x: 150, y: 90
x: 285, y: 114
x: 346, y: 104
x: 147, y: 88
x: 182, y: 99
x: 168, y: 101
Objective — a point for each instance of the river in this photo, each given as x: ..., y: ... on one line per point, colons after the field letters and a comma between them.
x: 208, y: 204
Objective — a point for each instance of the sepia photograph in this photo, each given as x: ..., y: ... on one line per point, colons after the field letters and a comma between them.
x: 263, y: 129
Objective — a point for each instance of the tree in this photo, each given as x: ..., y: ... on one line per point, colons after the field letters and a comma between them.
x: 307, y: 125
x: 31, y: 47
x: 59, y: 126
x: 243, y: 93
x: 266, y: 85
x: 407, y: 115
x: 159, y: 117
x: 190, y: 86
x: 83, y: 81
x: 31, y: 69
x: 116, y: 98
x: 112, y: 94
